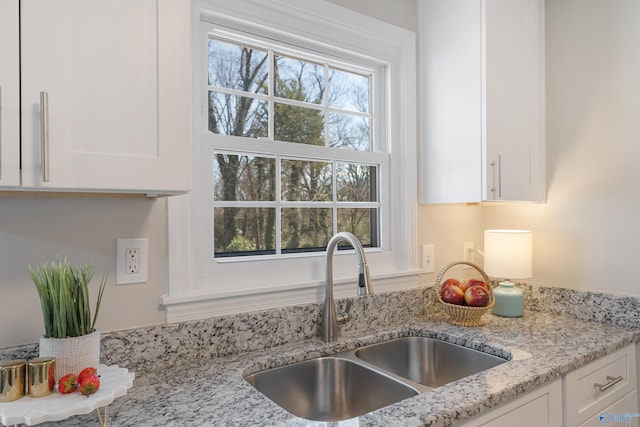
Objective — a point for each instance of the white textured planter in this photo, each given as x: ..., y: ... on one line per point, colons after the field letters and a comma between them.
x: 72, y: 354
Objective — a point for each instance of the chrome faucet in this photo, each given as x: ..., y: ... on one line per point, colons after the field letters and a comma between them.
x: 330, y: 319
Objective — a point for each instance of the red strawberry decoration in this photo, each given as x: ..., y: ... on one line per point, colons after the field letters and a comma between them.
x: 89, y: 384
x: 87, y: 371
x: 68, y: 384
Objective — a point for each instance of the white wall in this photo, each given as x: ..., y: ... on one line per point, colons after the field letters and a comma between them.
x: 587, y: 235
x: 448, y: 227
x: 33, y: 231
x: 401, y: 13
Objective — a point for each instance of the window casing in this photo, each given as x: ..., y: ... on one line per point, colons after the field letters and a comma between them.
x: 203, y: 285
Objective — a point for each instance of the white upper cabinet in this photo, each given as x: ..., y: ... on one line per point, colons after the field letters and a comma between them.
x: 482, y: 101
x: 105, y: 88
x: 9, y: 95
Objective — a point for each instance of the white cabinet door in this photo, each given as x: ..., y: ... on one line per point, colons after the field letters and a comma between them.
x: 450, y: 89
x: 541, y: 407
x: 482, y: 100
x: 115, y: 76
x: 9, y: 95
x: 513, y: 94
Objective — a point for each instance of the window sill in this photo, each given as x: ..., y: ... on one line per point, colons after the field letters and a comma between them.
x: 315, y: 254
x: 204, y: 304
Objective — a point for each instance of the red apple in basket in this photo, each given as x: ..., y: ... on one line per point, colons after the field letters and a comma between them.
x: 477, y: 296
x: 451, y: 282
x: 474, y: 282
x: 452, y: 295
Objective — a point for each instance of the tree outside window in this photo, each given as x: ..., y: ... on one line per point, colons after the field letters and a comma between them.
x: 265, y: 203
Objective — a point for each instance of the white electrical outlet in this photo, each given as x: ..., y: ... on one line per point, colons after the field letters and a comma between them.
x: 131, y: 261
x: 428, y: 258
x: 468, y: 253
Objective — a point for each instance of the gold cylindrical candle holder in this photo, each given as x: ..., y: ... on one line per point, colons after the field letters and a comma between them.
x: 42, y: 376
x: 12, y: 379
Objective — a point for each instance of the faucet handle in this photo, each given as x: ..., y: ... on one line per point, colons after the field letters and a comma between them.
x: 364, y: 281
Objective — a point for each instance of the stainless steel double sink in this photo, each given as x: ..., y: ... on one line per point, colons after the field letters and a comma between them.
x: 355, y: 382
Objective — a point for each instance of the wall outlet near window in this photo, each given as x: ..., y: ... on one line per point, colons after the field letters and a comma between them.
x: 468, y: 253
x: 131, y: 261
x: 428, y: 258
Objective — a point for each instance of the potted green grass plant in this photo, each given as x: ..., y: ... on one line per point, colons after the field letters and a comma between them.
x: 70, y: 334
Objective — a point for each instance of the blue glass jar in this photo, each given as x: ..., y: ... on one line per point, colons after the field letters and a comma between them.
x: 509, y: 300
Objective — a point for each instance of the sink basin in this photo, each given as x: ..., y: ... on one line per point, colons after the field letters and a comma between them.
x: 329, y: 388
x: 354, y: 382
x: 427, y: 361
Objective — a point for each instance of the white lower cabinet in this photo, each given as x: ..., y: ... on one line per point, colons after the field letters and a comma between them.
x: 539, y: 407
x: 616, y: 414
x: 604, y: 392
x: 604, y: 388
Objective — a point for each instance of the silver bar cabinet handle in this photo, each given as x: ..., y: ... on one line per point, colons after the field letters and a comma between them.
x: 612, y: 381
x: 44, y: 134
x: 497, y: 177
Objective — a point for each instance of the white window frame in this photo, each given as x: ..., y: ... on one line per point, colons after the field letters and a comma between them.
x: 201, y: 287
x: 377, y: 156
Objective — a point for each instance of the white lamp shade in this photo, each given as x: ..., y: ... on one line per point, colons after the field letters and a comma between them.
x: 508, y: 253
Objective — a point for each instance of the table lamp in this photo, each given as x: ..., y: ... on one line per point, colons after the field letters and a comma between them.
x: 508, y: 255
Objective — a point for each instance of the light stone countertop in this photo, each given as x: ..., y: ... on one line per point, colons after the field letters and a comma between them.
x: 197, y: 391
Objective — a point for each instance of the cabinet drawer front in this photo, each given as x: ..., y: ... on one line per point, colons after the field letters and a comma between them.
x: 616, y: 373
x: 621, y: 412
x: 539, y: 407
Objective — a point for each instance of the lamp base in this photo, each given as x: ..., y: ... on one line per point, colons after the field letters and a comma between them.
x: 509, y: 300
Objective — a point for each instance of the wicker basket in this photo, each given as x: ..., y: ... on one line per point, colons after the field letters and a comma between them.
x: 463, y: 315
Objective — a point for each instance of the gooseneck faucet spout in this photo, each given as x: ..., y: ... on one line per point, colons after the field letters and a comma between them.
x: 330, y: 321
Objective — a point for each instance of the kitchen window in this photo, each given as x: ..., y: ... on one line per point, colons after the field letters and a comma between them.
x: 315, y: 170
x: 304, y: 124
